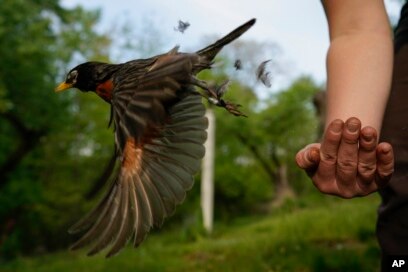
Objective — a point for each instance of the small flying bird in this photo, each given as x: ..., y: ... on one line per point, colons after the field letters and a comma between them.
x: 182, y: 26
x: 160, y: 129
x: 238, y: 64
x: 263, y: 75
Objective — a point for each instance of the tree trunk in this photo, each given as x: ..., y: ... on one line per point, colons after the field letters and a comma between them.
x: 266, y: 164
x: 283, y: 189
x: 207, y: 175
x: 28, y: 141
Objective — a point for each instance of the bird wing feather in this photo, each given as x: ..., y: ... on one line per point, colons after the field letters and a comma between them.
x: 156, y: 170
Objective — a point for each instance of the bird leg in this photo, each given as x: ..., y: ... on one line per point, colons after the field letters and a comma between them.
x: 231, y: 108
x: 204, y: 86
x: 214, y: 94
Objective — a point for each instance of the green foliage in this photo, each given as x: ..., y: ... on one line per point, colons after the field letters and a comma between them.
x: 310, y: 235
x: 287, y: 124
x: 60, y: 143
x: 284, y: 125
x: 37, y: 132
x: 289, y: 117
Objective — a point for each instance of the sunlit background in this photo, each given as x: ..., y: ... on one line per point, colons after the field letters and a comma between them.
x: 56, y: 149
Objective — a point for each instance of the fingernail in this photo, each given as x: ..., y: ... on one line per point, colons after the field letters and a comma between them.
x: 386, y: 149
x: 367, y: 136
x: 337, y: 126
x: 314, y: 155
x: 352, y: 125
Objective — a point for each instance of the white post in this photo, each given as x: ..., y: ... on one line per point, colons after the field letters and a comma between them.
x: 207, y: 178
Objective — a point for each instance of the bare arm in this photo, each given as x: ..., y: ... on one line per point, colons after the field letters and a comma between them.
x: 349, y: 161
x: 359, y: 60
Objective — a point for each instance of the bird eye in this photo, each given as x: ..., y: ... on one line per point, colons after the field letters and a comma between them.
x: 71, y: 77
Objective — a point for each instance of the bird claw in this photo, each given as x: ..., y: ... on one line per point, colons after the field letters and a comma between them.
x: 232, y: 108
x: 214, y: 94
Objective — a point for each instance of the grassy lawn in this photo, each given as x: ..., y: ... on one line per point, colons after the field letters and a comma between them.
x: 325, y: 235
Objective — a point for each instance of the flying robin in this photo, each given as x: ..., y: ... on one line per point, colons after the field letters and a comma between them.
x: 160, y: 129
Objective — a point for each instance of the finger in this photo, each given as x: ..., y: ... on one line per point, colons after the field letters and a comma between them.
x: 308, y: 157
x: 324, y: 178
x: 385, y: 164
x: 348, y: 157
x: 364, y: 189
x: 367, y: 157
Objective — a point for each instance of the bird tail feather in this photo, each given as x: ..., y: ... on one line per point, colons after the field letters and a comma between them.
x: 212, y: 50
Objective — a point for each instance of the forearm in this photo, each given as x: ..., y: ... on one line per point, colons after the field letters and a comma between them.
x: 359, y: 69
x: 359, y: 61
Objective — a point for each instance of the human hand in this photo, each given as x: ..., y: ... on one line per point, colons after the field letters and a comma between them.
x: 349, y: 162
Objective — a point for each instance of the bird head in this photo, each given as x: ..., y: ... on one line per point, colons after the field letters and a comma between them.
x: 84, y: 77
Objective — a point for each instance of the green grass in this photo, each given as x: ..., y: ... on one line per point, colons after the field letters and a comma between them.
x: 327, y: 235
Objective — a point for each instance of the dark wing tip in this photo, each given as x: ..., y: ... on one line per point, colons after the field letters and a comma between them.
x: 212, y: 50
x: 251, y: 22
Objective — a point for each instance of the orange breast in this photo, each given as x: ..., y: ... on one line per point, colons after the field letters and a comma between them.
x: 104, y: 90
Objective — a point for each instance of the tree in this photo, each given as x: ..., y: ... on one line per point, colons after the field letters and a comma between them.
x: 258, y: 152
x: 37, y: 40
x: 290, y: 123
x: 255, y: 155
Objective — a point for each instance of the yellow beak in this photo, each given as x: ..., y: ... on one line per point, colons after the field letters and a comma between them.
x: 63, y: 86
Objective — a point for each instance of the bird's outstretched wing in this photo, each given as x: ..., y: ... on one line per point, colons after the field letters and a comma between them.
x: 160, y: 130
x: 143, y: 93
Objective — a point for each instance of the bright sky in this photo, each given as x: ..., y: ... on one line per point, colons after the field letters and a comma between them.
x: 298, y: 27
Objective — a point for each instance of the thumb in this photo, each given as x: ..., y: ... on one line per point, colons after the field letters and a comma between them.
x: 308, y: 158
x: 385, y: 164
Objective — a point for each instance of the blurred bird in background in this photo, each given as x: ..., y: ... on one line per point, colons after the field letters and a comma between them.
x: 182, y: 26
